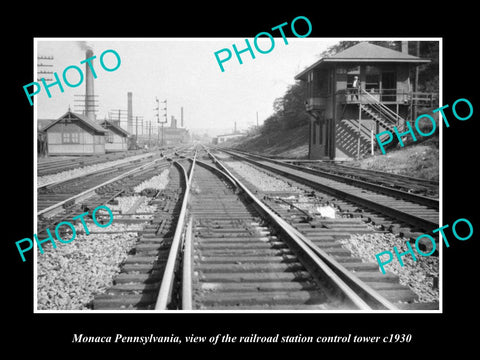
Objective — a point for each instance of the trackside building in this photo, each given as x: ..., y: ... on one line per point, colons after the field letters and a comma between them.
x: 355, y: 94
x: 75, y: 134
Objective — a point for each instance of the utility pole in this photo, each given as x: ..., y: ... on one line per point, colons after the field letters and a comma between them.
x: 416, y: 84
x: 359, y: 127
x: 163, y: 121
x: 149, y: 133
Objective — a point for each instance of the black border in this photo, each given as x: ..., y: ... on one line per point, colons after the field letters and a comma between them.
x: 52, y: 334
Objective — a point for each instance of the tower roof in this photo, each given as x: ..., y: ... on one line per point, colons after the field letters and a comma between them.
x: 365, y: 52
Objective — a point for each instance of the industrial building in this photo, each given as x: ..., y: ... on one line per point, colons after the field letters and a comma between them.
x: 173, y: 134
x: 220, y: 139
x: 356, y: 93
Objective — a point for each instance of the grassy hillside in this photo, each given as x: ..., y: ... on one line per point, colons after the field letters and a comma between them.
x: 416, y: 160
x: 291, y: 143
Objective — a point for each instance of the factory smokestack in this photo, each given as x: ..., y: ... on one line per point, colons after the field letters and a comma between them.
x: 89, y: 90
x: 181, y: 116
x: 129, y: 113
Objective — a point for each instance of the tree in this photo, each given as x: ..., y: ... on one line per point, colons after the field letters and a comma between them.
x: 289, y: 109
x: 270, y: 125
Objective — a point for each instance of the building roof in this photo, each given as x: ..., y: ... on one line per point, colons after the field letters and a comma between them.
x: 109, y: 125
x: 91, y: 124
x: 365, y: 52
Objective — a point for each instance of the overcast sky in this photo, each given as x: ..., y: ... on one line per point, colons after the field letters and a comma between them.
x: 185, y: 72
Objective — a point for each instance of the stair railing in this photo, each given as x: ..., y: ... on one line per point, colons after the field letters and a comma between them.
x: 381, y: 108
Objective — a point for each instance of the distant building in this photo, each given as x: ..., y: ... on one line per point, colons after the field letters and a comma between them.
x: 355, y: 93
x: 74, y: 134
x: 222, y: 138
x: 116, y: 138
x: 173, y: 135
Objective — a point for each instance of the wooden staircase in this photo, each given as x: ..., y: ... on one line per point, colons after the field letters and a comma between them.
x: 347, y: 138
x: 348, y: 130
x: 383, y: 115
x: 373, y: 114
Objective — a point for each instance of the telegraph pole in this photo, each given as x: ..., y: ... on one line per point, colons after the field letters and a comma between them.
x: 40, y: 65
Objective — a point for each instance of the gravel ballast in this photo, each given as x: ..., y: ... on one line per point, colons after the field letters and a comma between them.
x: 158, y: 182
x: 262, y: 180
x: 69, y: 276
x: 417, y: 275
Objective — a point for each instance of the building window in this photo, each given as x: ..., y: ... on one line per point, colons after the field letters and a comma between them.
x: 310, y: 84
x: 372, y: 83
x: 108, y: 136
x: 330, y: 83
x: 98, y: 139
x: 353, y: 70
x: 70, y: 138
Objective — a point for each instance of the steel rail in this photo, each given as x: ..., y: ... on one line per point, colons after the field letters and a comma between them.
x: 165, y: 292
x: 51, y: 165
x: 332, y: 269
x: 372, y: 296
x: 340, y: 165
x: 417, y: 181
x: 89, y: 192
x: 424, y: 225
x: 187, y: 293
x: 107, y: 166
x: 422, y: 200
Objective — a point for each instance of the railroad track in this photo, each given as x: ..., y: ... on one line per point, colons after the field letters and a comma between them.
x: 62, y: 200
x: 54, y: 165
x: 230, y: 251
x: 68, y: 275
x: 420, y: 191
x: 54, y: 195
x: 138, y: 284
x: 240, y: 260
x: 413, y: 214
x: 408, y: 184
